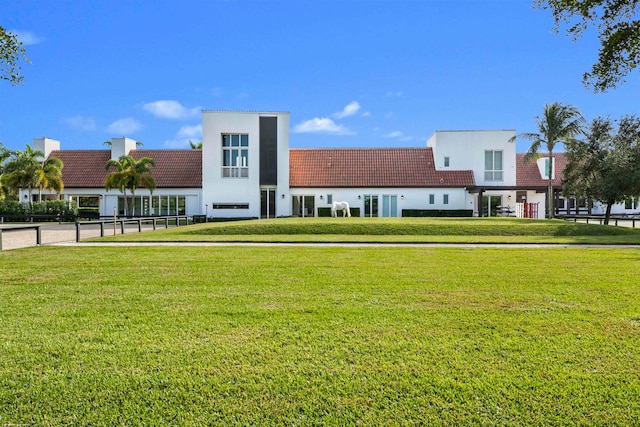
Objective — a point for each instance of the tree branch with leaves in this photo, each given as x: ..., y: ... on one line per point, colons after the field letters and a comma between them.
x: 12, y: 53
x: 618, y: 25
x: 606, y: 165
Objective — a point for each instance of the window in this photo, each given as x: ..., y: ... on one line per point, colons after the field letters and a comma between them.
x: 493, y: 165
x: 230, y: 205
x: 432, y: 199
x: 446, y: 162
x: 329, y: 199
x: 628, y: 203
x: 445, y: 199
x: 235, y: 156
x: 154, y: 205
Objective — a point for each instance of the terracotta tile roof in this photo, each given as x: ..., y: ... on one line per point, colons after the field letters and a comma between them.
x: 174, y: 168
x: 83, y: 168
x: 371, y: 167
x: 528, y: 175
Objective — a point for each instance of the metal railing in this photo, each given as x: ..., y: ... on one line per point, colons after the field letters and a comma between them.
x: 592, y: 219
x: 120, y: 223
x: 22, y: 228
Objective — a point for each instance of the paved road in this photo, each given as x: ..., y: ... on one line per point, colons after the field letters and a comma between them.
x: 57, y: 233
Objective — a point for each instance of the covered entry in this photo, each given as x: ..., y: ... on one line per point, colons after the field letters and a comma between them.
x: 490, y: 205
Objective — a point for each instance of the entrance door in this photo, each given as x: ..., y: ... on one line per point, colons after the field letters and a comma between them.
x: 370, y: 205
x: 303, y: 206
x: 267, y: 202
x: 390, y: 206
x: 490, y: 205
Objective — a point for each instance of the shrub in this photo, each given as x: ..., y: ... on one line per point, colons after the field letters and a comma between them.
x: 326, y: 212
x: 21, y: 211
x: 437, y: 213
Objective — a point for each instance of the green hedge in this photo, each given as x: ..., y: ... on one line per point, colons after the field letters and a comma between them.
x: 326, y: 212
x: 54, y: 208
x: 437, y: 213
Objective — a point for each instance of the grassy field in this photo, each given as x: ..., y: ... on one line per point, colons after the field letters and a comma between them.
x: 319, y: 336
x: 397, y: 230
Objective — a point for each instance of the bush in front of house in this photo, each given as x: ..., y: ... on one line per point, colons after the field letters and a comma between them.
x: 22, y: 211
x: 422, y: 213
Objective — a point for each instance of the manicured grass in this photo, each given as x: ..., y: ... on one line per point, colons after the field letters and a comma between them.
x: 319, y: 336
x: 397, y: 230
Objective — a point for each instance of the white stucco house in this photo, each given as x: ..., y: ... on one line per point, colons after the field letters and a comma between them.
x: 246, y: 169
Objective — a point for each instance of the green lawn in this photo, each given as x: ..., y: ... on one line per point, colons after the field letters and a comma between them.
x: 319, y: 336
x: 397, y: 230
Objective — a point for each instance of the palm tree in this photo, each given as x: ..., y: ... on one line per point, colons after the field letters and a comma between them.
x: 5, y: 153
x: 49, y: 176
x: 195, y: 145
x: 116, y: 179
x: 559, y: 124
x: 21, y: 171
x: 130, y: 174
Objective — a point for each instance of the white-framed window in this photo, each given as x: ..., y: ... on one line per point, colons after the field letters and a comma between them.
x: 493, y: 170
x: 153, y: 205
x: 629, y: 203
x: 445, y: 199
x: 446, y: 162
x: 329, y: 199
x: 432, y: 199
x: 235, y: 156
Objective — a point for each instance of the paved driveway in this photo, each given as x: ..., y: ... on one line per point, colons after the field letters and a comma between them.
x: 57, y: 233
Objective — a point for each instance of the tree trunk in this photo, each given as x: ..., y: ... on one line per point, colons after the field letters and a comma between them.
x: 126, y: 208
x: 607, y: 213
x: 550, y: 201
x: 133, y: 202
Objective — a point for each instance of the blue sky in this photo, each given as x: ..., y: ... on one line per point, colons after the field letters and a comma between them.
x: 352, y: 73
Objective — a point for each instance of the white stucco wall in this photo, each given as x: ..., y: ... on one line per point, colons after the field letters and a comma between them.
x: 407, y: 198
x: 46, y: 145
x: 109, y: 199
x: 466, y: 151
x: 217, y: 189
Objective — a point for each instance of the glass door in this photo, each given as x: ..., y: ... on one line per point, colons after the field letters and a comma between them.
x: 390, y: 206
x: 490, y: 205
x: 303, y: 206
x: 370, y: 205
x: 267, y: 202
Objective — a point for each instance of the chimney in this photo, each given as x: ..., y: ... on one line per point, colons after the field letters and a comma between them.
x: 46, y: 145
x: 121, y: 146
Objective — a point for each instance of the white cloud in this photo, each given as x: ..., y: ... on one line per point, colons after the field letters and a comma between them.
x: 26, y: 37
x: 322, y: 125
x: 169, y: 109
x: 81, y: 123
x: 394, y: 94
x: 398, y: 135
x: 124, y: 126
x: 366, y: 114
x: 176, y: 143
x: 348, y: 110
x: 394, y: 134
x: 184, y: 135
x: 194, y: 131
